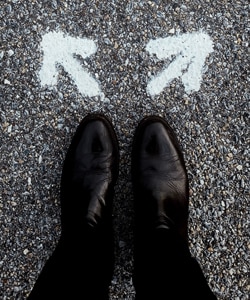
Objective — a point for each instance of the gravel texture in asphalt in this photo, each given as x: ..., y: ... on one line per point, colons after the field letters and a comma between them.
x: 37, y: 123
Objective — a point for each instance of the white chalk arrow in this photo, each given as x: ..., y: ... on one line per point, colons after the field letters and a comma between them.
x: 60, y: 49
x: 190, y: 51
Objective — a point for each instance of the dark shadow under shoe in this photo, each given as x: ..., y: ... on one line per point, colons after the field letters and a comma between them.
x: 81, y: 266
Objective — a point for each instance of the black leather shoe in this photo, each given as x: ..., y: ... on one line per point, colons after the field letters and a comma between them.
x: 159, y: 179
x: 83, y: 261
x: 162, y: 260
x: 89, y: 175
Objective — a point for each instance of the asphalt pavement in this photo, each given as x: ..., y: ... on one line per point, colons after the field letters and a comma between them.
x: 187, y: 61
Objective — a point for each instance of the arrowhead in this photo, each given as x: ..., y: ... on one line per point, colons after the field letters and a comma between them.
x: 190, y: 50
x: 59, y: 49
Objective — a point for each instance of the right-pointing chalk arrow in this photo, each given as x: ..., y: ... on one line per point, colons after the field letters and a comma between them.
x: 190, y: 51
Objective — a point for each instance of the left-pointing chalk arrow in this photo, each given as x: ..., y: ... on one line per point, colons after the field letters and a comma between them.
x: 60, y: 49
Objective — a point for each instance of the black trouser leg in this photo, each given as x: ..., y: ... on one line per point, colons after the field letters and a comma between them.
x: 164, y: 269
x: 78, y: 269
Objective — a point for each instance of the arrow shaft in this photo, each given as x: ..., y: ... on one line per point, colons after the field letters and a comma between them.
x: 174, y: 70
x: 86, y: 84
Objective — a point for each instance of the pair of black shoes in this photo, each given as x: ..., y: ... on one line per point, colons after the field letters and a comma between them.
x: 158, y: 173
x: 81, y: 266
x: 89, y: 175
